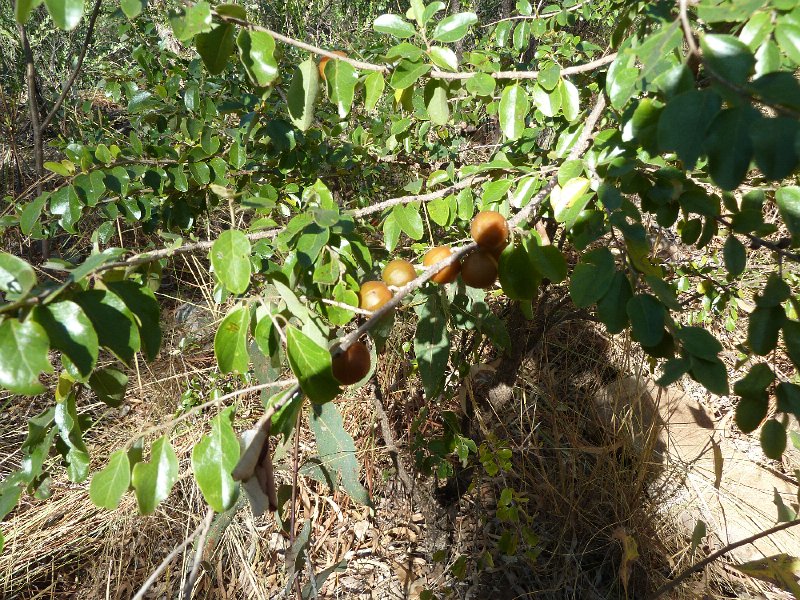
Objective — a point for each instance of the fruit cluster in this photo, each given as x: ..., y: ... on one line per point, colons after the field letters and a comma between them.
x: 490, y: 231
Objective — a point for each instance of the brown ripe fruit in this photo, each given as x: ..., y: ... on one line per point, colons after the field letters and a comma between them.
x: 479, y: 269
x: 489, y: 229
x: 352, y: 365
x: 324, y: 61
x: 450, y: 272
x: 373, y: 295
x: 398, y: 273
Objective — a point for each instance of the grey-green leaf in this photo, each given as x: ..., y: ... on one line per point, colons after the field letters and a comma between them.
x: 230, y: 257
x: 302, y: 94
x: 514, y: 106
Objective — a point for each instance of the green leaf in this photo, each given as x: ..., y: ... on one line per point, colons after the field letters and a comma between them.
x: 454, y: 27
x: 373, y: 88
x: 755, y: 383
x: 791, y: 338
x: 303, y: 93
x: 109, y: 484
x: 406, y: 74
x: 153, y: 480
x: 774, y: 146
x: 727, y: 57
x: 550, y: 262
x: 570, y: 100
x: 230, y: 341
x: 23, y: 347
x: 444, y: 58
x: 775, y: 292
x: 70, y: 331
x: 683, y: 123
x: 140, y: 300
x: 699, y: 342
x: 394, y: 25
x: 109, y: 385
x: 648, y: 317
x: 17, y: 277
x: 30, y: 214
x: 132, y: 8
x: 711, y: 374
x: 773, y: 439
x: 213, y: 460
x: 311, y: 364
x: 409, y: 219
x: 341, y: 78
x: 788, y: 201
x: 196, y: 19
x: 201, y: 172
x: 90, y: 187
x: 66, y: 14
x: 113, y: 321
x: 735, y: 256
x: 66, y: 204
x: 788, y: 396
x: 215, y: 46
x: 481, y: 84
x: 257, y: 53
x: 763, y: 327
x: 592, y: 277
x: 569, y: 201
x: 23, y: 9
x: 514, y: 107
x: 431, y: 343
x: 57, y: 168
x: 548, y: 103
x: 788, y: 37
x: 230, y: 258
x: 729, y: 146
x: 73, y: 449
x: 611, y: 309
x: 337, y: 451
x: 436, y: 104
x: 439, y: 211
x: 518, y: 275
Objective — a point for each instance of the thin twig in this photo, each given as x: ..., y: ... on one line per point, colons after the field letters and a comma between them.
x: 198, y: 555
x: 687, y: 28
x: 712, y: 557
x: 292, y: 508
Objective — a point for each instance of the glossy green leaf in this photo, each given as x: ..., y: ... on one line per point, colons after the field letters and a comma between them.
x: 109, y: 384
x: 257, y: 53
x: 444, y: 58
x: 196, y: 19
x: 374, y: 85
x: 216, y: 46
x: 518, y: 275
x: 70, y: 331
x: 436, y: 104
x: 549, y: 261
x: 788, y: 201
x: 341, y: 78
x: 549, y: 103
x: 727, y: 57
x: 569, y: 200
x: 112, y: 320
x: 406, y: 74
x: 570, y: 100
x: 142, y: 303
x: 73, y: 448
x: 213, y: 460
x: 230, y: 341
x: 393, y: 25
x: 311, y: 364
x: 303, y: 93
x: 514, y: 107
x: 17, y: 277
x: 109, y: 484
x: 66, y: 14
x: 230, y: 258
x: 409, y: 219
x: 454, y: 27
x: 481, y: 84
x: 787, y: 34
x: 153, y: 480
x: 23, y: 347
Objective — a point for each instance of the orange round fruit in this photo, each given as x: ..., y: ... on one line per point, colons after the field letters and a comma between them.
x: 450, y: 272
x: 398, y: 273
x: 373, y: 295
x: 489, y: 229
x: 352, y: 365
x: 324, y: 61
x: 479, y: 269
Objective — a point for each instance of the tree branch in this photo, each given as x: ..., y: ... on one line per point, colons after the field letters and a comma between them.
x: 74, y: 75
x: 435, y: 73
x: 712, y: 557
